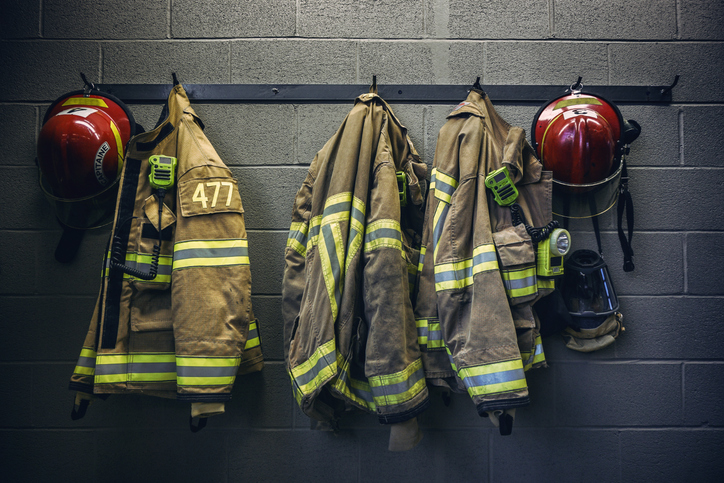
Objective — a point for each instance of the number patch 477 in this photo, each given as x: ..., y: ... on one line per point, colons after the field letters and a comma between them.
x: 200, y: 193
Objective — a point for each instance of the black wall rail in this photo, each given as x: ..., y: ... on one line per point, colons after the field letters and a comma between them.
x: 412, y: 93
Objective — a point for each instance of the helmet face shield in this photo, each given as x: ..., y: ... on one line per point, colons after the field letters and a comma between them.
x: 83, y: 213
x: 586, y: 200
x: 587, y: 289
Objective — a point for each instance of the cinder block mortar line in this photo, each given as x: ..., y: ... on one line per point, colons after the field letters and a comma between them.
x: 169, y: 19
x: 370, y: 40
x: 41, y: 15
x: 683, y: 388
x: 681, y: 136
x: 297, y: 17
x: 685, y: 252
x: 678, y: 19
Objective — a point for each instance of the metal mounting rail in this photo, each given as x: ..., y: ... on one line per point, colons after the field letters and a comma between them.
x: 412, y: 93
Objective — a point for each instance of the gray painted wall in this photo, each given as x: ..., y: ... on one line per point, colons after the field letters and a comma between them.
x: 649, y: 408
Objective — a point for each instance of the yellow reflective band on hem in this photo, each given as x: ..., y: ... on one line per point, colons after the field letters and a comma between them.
x: 207, y: 361
x: 297, y: 392
x: 356, y: 390
x: 205, y: 381
x: 152, y: 377
x: 494, y: 378
x: 135, y: 367
x: 517, y: 385
x: 536, y: 357
x: 399, y: 387
x: 491, y: 368
x: 85, y: 371
x: 206, y: 371
x: 317, y: 370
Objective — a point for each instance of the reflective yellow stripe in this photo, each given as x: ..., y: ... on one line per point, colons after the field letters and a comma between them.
x: 531, y: 359
x: 494, y: 378
x: 85, y: 101
x: 206, y: 371
x: 458, y: 275
x: 520, y: 283
x: 438, y: 222
x: 421, y: 262
x: 317, y: 370
x: 253, y: 339
x: 86, y: 365
x: 207, y: 361
x: 429, y: 334
x: 119, y: 146
x: 297, y: 239
x: 210, y: 253
x: 383, y: 233
x: 135, y: 367
x: 356, y: 390
x: 444, y: 185
x: 399, y: 387
x: 328, y: 272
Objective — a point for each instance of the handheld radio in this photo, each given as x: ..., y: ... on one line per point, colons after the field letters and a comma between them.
x: 163, y: 171
x: 502, y: 187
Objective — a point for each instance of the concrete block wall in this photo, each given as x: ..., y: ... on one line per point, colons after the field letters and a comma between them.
x: 646, y: 409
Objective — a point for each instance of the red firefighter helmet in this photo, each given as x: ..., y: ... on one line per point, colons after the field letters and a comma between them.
x: 578, y: 137
x: 80, y: 155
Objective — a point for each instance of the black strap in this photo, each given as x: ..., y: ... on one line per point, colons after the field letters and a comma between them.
x: 597, y: 231
x: 197, y: 424
x: 68, y: 244
x: 79, y: 410
x: 625, y: 202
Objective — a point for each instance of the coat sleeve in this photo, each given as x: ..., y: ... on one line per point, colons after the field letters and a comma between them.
x: 393, y: 364
x: 211, y: 279
x: 475, y: 318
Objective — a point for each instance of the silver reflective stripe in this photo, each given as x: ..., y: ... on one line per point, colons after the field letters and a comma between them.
x: 206, y: 371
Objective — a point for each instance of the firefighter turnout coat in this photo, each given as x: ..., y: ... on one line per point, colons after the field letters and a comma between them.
x: 477, y: 274
x: 349, y: 328
x: 187, y: 332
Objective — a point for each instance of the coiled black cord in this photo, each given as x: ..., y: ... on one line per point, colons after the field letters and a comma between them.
x: 536, y: 234
x: 117, y: 250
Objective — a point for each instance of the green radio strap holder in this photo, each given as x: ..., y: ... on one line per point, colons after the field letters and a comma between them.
x: 402, y: 187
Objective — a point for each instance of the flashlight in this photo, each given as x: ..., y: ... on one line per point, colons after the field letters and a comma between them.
x: 551, y: 252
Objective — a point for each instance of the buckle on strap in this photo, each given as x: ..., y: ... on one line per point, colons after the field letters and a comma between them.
x: 402, y: 187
